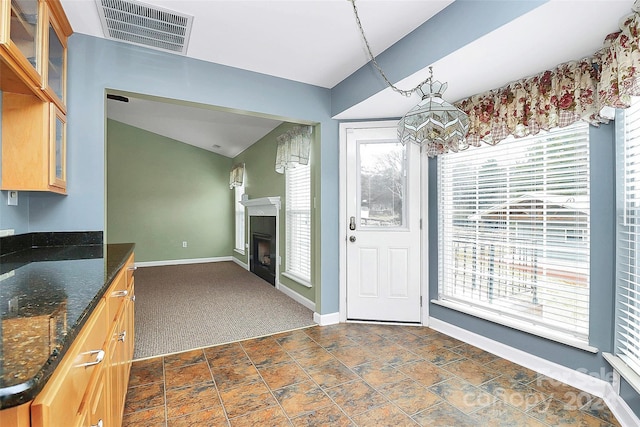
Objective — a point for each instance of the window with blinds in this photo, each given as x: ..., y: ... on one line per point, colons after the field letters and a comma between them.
x: 298, y: 211
x: 514, y: 233
x: 239, y: 214
x: 627, y: 340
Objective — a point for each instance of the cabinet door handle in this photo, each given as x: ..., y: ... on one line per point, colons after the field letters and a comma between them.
x: 132, y: 270
x: 122, y: 335
x: 98, y: 424
x: 119, y: 294
x: 99, y: 357
x: 133, y: 298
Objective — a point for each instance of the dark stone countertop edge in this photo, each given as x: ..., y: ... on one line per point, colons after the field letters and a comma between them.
x: 18, y: 394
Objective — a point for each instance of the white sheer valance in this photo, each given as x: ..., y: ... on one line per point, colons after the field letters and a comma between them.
x: 293, y: 148
x: 236, y: 176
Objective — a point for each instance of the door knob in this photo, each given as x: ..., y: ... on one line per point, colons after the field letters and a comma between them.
x: 352, y: 239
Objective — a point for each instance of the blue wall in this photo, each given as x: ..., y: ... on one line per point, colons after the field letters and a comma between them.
x: 454, y: 27
x: 96, y: 65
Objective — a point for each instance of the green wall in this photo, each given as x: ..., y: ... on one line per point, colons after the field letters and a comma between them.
x: 261, y: 180
x: 161, y: 192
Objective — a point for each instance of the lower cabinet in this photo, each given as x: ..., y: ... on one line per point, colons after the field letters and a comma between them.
x: 88, y: 389
x: 120, y: 351
x: 94, y: 411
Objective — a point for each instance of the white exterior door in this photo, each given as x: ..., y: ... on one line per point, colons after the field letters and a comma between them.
x: 383, y: 227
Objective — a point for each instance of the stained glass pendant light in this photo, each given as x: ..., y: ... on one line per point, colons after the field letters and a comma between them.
x: 434, y: 123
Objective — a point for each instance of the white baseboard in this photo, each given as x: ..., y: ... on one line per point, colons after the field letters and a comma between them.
x: 620, y: 409
x: 296, y: 296
x: 583, y: 381
x: 326, y: 319
x: 183, y: 261
x: 240, y: 263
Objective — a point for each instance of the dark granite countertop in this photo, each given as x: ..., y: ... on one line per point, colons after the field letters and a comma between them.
x: 46, y: 295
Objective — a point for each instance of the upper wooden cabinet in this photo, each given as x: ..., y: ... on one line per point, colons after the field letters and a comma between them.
x: 33, y: 144
x: 33, y: 42
x: 33, y: 74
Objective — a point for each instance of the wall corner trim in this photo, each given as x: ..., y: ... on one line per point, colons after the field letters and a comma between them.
x: 572, y: 377
x: 326, y: 319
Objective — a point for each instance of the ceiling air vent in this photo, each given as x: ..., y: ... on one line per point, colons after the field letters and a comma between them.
x: 145, y: 25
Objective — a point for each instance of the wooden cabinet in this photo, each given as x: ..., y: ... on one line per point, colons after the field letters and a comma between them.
x: 89, y: 386
x: 33, y: 42
x: 33, y: 72
x: 62, y: 395
x: 22, y: 36
x: 120, y: 348
x: 33, y: 144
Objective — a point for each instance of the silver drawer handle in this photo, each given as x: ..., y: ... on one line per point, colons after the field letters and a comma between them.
x: 122, y: 335
x: 133, y: 270
x: 118, y: 294
x: 98, y: 424
x: 99, y: 356
x: 133, y: 298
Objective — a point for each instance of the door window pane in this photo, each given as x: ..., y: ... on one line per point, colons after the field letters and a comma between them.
x: 382, y: 182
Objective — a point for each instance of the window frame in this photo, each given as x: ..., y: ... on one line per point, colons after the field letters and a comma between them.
x: 626, y: 345
x: 493, y: 312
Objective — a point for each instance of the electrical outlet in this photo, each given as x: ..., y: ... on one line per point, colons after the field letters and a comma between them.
x: 184, y: 244
x: 12, y: 198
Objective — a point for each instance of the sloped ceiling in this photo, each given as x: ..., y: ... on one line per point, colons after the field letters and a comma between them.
x: 317, y: 42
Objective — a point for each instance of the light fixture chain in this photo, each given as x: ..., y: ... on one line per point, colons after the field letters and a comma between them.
x: 406, y: 93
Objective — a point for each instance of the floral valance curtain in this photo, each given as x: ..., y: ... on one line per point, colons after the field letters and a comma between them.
x: 236, y: 176
x: 293, y: 148
x: 588, y: 89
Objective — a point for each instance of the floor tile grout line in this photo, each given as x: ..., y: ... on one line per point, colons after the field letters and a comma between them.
x: 380, y: 333
x: 164, y: 395
x: 266, y: 385
x: 215, y: 384
x: 311, y: 378
x: 369, y: 385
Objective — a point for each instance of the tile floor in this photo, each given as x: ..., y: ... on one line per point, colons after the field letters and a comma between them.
x: 351, y: 375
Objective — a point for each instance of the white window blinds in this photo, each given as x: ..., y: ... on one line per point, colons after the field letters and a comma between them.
x: 514, y: 232
x: 298, y: 208
x: 239, y: 214
x: 627, y: 340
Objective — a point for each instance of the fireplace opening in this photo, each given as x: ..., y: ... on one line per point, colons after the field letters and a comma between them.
x: 263, y: 248
x: 264, y: 251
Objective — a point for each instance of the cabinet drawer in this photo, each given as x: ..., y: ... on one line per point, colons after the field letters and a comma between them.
x: 130, y: 269
x: 94, y: 408
x: 59, y: 402
x: 116, y: 295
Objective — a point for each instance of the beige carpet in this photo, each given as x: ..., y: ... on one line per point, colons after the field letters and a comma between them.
x: 184, y: 307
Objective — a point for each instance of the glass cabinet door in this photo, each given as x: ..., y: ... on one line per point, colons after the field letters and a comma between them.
x: 24, y: 30
x: 57, y: 168
x: 56, y: 65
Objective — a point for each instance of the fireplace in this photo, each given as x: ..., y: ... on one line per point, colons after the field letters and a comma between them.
x: 263, y: 258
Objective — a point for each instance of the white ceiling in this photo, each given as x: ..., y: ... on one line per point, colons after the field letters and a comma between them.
x: 317, y: 42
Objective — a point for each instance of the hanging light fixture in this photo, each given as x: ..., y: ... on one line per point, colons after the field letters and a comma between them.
x: 434, y: 123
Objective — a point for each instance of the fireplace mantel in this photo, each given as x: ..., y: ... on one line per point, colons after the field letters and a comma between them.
x: 262, y: 206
